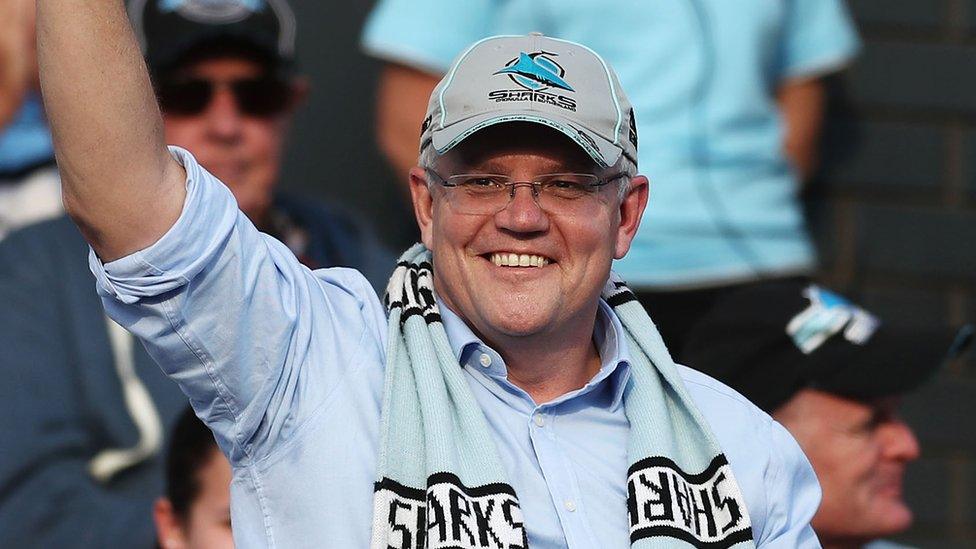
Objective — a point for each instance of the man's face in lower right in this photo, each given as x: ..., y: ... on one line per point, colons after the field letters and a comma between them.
x: 859, y: 451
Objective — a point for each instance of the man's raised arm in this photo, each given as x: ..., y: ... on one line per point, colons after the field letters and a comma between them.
x: 119, y: 182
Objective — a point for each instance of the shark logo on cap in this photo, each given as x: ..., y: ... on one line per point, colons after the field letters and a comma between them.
x: 536, y: 71
x: 213, y: 11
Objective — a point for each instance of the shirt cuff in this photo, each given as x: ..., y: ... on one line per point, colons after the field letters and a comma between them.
x: 207, y: 219
x: 822, y: 66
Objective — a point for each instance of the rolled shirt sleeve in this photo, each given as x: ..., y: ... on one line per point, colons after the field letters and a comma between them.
x: 819, y: 37
x: 223, y: 309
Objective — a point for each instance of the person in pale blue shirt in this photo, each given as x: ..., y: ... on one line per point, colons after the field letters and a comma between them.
x: 729, y: 100
x: 513, y: 394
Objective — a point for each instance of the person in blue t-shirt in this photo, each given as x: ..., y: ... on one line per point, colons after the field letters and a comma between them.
x: 728, y: 98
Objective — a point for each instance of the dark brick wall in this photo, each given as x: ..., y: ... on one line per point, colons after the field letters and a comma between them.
x: 894, y: 211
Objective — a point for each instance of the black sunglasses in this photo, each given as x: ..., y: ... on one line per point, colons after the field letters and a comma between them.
x: 263, y: 96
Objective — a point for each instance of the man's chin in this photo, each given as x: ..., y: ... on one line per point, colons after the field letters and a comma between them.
x: 904, y: 516
x: 519, y: 326
x: 526, y: 320
x: 893, y: 518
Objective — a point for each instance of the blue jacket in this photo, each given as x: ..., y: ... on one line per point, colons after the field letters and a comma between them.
x: 61, y: 400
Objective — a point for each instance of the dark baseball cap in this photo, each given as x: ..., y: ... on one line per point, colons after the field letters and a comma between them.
x: 772, y: 339
x: 168, y: 30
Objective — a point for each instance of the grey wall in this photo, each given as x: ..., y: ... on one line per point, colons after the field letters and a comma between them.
x: 894, y: 207
x: 895, y: 211
x: 333, y: 154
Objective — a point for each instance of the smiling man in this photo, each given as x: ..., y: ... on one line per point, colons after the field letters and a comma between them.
x: 514, y: 393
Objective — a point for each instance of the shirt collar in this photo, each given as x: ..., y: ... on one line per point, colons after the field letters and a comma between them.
x: 614, y: 351
x: 608, y: 334
x: 458, y: 333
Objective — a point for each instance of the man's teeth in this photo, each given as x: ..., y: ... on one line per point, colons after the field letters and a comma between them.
x: 519, y: 260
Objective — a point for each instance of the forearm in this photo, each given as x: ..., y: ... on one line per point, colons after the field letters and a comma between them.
x: 802, y: 105
x: 119, y: 182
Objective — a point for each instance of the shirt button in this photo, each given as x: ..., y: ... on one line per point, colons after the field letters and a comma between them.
x: 485, y: 360
x: 538, y: 420
x: 570, y: 505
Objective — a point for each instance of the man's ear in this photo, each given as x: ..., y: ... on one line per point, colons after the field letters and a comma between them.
x: 631, y: 210
x: 300, y: 87
x: 169, y: 527
x: 423, y: 205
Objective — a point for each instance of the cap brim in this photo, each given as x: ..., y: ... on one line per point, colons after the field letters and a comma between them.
x: 604, y: 152
x: 220, y: 42
x: 895, y: 361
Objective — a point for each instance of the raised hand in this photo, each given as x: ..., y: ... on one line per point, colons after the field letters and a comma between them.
x: 119, y: 182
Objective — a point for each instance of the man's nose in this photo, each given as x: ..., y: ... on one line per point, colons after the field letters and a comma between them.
x: 523, y: 214
x: 900, y: 441
x: 223, y: 116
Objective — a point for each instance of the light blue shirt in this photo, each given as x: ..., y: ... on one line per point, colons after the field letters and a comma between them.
x: 702, y: 77
x: 286, y: 366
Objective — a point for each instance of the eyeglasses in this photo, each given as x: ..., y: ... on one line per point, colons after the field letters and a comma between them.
x: 261, y: 97
x: 564, y: 194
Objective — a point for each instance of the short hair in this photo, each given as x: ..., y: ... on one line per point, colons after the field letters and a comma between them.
x: 626, y: 166
x: 190, y: 449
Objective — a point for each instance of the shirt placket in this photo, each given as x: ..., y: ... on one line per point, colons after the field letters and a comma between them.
x: 560, y: 477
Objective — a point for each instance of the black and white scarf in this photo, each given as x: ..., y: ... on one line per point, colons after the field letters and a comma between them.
x: 440, y: 483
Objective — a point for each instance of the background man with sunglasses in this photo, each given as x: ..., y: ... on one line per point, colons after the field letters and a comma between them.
x: 83, y: 408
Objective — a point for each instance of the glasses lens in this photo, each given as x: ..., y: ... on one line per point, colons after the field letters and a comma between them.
x: 262, y: 96
x: 568, y: 186
x: 184, y: 97
x: 569, y: 194
x: 477, y: 193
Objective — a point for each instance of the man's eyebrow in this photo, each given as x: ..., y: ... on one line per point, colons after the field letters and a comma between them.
x: 493, y: 166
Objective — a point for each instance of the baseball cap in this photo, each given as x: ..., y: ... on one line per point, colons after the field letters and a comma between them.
x: 533, y: 78
x: 772, y: 339
x: 169, y: 29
